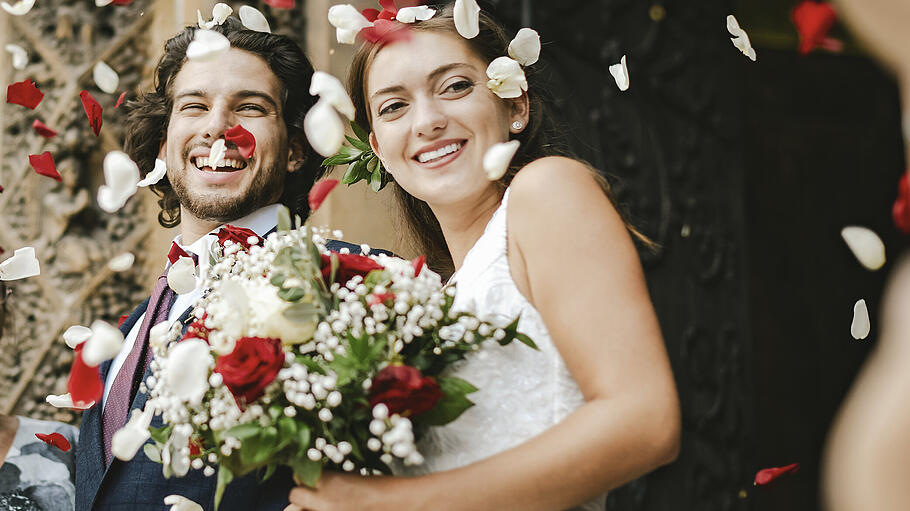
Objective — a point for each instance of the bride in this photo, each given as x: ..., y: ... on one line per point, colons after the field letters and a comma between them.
x: 595, y: 406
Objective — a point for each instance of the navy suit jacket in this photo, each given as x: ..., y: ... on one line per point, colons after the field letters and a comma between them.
x: 139, y: 485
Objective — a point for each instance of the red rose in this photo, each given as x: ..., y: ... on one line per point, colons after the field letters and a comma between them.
x: 251, y: 367
x: 348, y: 266
x: 197, y: 329
x: 901, y: 210
x: 404, y: 390
x: 237, y: 235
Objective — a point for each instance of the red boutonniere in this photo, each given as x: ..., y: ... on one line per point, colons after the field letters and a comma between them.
x: 901, y: 209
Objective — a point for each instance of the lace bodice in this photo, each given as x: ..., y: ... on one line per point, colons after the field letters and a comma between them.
x: 522, y: 391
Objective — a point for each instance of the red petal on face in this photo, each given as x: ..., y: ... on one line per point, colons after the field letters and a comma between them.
x: 281, y: 4
x: 813, y: 20
x: 120, y: 99
x: 122, y: 320
x: 85, y: 383
x: 768, y: 475
x: 418, y: 264
x: 92, y: 110
x: 44, y: 164
x: 385, y: 31
x: 370, y: 14
x: 24, y: 93
x: 42, y: 129
x: 55, y: 440
x: 319, y: 192
x: 243, y: 139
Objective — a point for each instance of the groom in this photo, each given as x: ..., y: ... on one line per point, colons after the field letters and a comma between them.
x: 260, y: 83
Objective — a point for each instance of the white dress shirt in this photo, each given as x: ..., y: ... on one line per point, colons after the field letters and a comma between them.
x: 260, y: 221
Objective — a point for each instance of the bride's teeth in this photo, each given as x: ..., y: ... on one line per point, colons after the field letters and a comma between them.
x: 439, y: 153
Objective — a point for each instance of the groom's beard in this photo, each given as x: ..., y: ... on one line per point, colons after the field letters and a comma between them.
x: 265, y: 189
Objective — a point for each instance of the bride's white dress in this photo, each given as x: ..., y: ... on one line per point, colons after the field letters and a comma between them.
x: 522, y: 391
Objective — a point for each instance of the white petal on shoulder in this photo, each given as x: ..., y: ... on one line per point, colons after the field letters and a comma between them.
x: 467, y: 18
x: 865, y: 245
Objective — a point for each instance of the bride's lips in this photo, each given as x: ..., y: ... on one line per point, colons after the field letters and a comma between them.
x: 445, y: 160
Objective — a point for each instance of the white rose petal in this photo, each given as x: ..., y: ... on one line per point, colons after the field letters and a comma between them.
x: 216, y: 154
x: 866, y: 246
x: 324, y: 128
x: 76, y: 335
x: 206, y: 45
x: 66, y: 401
x: 20, y: 57
x: 186, y: 373
x: 182, y: 276
x: 621, y: 74
x: 507, y: 79
x: 525, y: 48
x: 102, y: 3
x: 122, y: 262
x: 467, y: 18
x: 740, y: 38
x: 180, y: 503
x: 104, y: 344
x: 220, y: 12
x: 155, y: 175
x: 348, y: 22
x: 201, y: 23
x: 127, y: 440
x: 105, y: 77
x: 21, y: 265
x: 19, y: 8
x: 121, y: 175
x: 330, y: 89
x: 497, y: 158
x: 412, y: 14
x: 253, y: 19
x: 860, y: 326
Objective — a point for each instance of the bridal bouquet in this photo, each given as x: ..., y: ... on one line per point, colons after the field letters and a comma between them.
x: 303, y: 357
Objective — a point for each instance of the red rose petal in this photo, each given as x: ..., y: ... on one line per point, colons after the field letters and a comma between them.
x: 1, y: 189
x: 44, y: 164
x: 24, y: 93
x: 122, y: 320
x: 42, y: 129
x: 55, y: 440
x: 380, y: 298
x: 900, y: 212
x: 767, y: 475
x: 370, y: 14
x: 281, y: 4
x: 176, y: 253
x: 92, y: 111
x: 120, y: 99
x: 243, y: 139
x: 418, y: 264
x: 319, y: 192
x: 385, y: 31
x: 84, y: 383
x: 122, y: 2
x: 813, y: 20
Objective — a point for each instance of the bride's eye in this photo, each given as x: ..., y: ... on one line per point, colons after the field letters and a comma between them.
x: 459, y: 86
x: 391, y: 108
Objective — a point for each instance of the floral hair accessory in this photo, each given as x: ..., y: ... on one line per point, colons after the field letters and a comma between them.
x: 507, y: 78
x: 362, y: 163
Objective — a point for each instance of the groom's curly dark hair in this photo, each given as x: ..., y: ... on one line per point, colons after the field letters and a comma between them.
x: 148, y: 115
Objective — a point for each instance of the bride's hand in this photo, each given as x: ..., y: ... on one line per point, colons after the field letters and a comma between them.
x: 350, y: 492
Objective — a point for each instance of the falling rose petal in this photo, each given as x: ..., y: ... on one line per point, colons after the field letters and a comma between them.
x: 22, y: 264
x: 182, y: 276
x: 55, y: 440
x: 122, y: 2
x: 44, y: 164
x: 767, y: 475
x: 42, y: 129
x: 813, y: 21
x: 66, y: 401
x: 281, y: 4
x: 330, y: 89
x: 467, y: 18
x: 186, y: 373
x: 348, y: 22
x: 84, y: 383
x: 320, y: 191
x: 220, y: 12
x: 121, y: 177
x: 740, y: 38
x: 123, y: 319
x: 497, y: 158
x: 900, y: 211
x: 180, y: 503
x: 253, y: 19
x: 206, y: 45
x: 621, y: 74
x: 120, y: 99
x: 104, y: 344
x: 19, y: 8
x: 76, y: 335
x: 507, y: 79
x: 525, y: 48
x: 216, y: 154
x: 243, y: 139
x: 102, y: 3
x: 127, y: 440
x: 324, y: 128
x: 92, y: 111
x: 418, y: 264
x: 865, y: 245
x: 201, y: 23
x: 122, y: 262
x: 24, y: 93
x: 413, y: 14
x: 385, y: 32
x: 105, y: 77
x: 155, y: 175
x: 861, y: 325
x: 20, y: 57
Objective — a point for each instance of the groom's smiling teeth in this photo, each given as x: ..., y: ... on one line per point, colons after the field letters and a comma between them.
x: 227, y: 164
x: 438, y: 153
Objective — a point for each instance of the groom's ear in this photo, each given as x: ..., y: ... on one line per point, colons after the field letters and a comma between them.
x: 296, y: 153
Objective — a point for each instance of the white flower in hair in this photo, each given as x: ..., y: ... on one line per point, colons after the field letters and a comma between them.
x: 507, y: 79
x: 497, y: 159
x: 467, y: 18
x: 323, y: 124
x: 413, y: 14
x: 253, y: 19
x: 621, y: 74
x: 348, y: 22
x: 20, y: 57
x: 105, y: 78
x: 206, y: 45
x: 740, y: 38
x: 525, y: 48
x: 19, y: 8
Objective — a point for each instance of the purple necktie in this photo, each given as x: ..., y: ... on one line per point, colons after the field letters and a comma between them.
x: 123, y: 390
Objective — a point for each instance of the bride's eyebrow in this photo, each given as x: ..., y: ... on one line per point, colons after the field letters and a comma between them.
x: 433, y: 76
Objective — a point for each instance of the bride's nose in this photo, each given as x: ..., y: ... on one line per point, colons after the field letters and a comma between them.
x: 428, y: 118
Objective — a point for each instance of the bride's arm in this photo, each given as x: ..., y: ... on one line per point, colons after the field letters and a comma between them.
x: 583, y: 275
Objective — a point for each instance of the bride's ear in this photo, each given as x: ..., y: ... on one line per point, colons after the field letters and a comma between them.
x: 375, y: 146
x: 519, y: 112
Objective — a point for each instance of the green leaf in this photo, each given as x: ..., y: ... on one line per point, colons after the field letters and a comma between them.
x: 307, y: 471
x: 526, y: 340
x: 275, y: 411
x: 161, y: 435
x: 453, y: 403
x: 291, y: 294
x: 301, y: 312
x: 354, y: 172
x: 153, y: 452
x: 360, y: 132
x: 269, y: 470
x: 284, y: 218
x: 243, y: 431
x: 225, y: 476
x: 346, y: 154
x: 359, y: 347
x: 376, y: 180
x: 363, y: 146
x: 303, y: 437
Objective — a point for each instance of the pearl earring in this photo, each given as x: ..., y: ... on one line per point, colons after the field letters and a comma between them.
x: 517, y: 125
